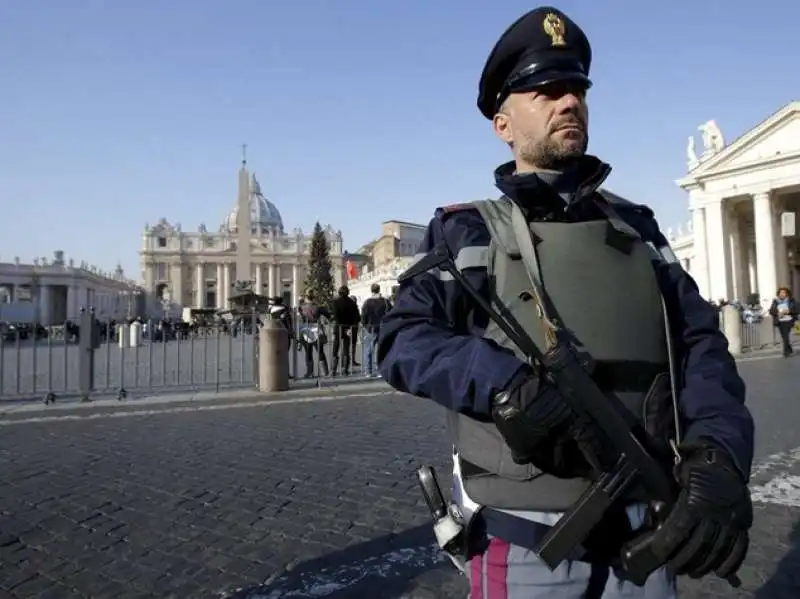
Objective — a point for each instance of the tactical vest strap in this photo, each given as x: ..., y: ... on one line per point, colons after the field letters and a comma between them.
x: 473, y: 256
x: 527, y: 250
x: 497, y: 216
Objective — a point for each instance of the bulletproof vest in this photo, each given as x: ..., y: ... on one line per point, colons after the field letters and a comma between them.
x: 600, y: 279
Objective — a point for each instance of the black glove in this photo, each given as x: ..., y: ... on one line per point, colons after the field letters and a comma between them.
x: 541, y: 429
x: 707, y: 529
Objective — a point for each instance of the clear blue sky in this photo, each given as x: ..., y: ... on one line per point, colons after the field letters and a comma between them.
x: 114, y: 113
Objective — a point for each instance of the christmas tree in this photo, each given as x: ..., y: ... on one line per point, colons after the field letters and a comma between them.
x: 319, y: 276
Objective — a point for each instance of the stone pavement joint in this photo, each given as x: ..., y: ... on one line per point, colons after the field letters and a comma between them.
x: 201, y: 397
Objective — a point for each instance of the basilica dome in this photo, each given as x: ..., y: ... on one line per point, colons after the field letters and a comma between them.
x: 264, y: 216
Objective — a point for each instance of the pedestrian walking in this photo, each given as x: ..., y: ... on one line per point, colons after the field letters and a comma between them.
x: 784, y: 315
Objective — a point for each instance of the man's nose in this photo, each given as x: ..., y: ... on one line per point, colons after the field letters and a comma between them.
x: 570, y: 101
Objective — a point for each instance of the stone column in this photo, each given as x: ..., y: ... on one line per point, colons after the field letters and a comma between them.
x: 743, y: 258
x: 226, y: 286
x: 149, y: 287
x: 220, y: 287
x: 72, y: 302
x: 700, y: 261
x: 339, y: 278
x: 259, y: 281
x: 765, y: 247
x: 45, y: 310
x: 752, y: 269
x: 717, y: 250
x: 737, y: 249
x: 150, y: 277
x: 273, y: 291
x: 199, y: 286
x: 295, y: 289
x: 177, y: 284
x: 781, y: 250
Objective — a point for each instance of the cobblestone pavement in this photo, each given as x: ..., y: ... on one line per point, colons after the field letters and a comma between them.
x: 308, y: 497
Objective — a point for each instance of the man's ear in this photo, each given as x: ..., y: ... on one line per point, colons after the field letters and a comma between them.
x: 501, y: 123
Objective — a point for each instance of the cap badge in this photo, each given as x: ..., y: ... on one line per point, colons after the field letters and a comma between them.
x: 554, y: 27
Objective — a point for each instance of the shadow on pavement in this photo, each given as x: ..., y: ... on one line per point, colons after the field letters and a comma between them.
x: 785, y: 582
x: 395, y: 566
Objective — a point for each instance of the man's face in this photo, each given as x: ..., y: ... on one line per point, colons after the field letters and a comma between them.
x: 546, y: 128
x: 782, y: 294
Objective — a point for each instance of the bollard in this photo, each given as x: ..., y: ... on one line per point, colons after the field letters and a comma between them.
x: 273, y: 357
x: 256, y: 328
x: 135, y: 334
x: 88, y: 341
x: 123, y: 335
x: 732, y: 327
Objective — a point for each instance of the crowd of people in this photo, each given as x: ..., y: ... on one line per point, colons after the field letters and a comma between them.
x: 339, y: 324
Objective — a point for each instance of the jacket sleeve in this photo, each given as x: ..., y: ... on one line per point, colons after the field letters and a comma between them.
x: 712, y: 397
x: 429, y: 344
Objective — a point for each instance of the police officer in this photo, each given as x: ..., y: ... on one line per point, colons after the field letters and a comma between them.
x: 616, y: 287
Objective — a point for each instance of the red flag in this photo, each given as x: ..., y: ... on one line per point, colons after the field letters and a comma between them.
x: 352, y: 271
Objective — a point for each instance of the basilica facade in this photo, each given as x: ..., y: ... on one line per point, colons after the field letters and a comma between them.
x: 744, y: 198
x: 198, y: 269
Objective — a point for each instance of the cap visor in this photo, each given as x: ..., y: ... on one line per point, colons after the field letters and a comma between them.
x: 542, y: 78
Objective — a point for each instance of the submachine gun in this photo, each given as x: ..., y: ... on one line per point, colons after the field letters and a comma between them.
x: 629, y: 440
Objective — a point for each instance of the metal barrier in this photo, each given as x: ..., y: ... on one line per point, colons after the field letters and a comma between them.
x: 99, y: 359
x: 762, y: 335
x: 92, y: 359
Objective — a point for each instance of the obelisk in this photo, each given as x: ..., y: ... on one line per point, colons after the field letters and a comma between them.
x: 243, y: 232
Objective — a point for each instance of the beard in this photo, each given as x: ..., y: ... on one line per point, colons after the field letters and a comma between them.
x: 555, y: 153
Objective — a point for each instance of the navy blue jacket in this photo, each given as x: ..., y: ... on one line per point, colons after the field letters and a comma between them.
x: 430, y: 344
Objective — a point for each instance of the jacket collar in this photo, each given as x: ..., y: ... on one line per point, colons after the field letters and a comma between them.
x: 583, y: 179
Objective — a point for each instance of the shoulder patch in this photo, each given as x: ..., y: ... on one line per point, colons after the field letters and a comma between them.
x: 456, y: 208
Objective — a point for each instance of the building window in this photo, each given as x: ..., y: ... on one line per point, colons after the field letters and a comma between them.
x: 161, y: 272
x: 162, y: 242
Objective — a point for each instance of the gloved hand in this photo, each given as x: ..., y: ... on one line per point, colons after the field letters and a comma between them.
x: 707, y: 529
x: 541, y: 429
